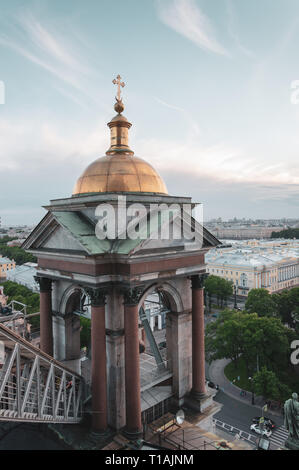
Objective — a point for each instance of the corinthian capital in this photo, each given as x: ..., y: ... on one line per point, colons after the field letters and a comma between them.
x: 97, y: 296
x: 132, y: 295
x: 45, y: 284
x: 198, y: 281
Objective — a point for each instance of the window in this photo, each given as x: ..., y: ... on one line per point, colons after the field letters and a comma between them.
x: 244, y: 280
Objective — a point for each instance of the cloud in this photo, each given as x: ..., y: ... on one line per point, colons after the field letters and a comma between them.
x: 232, y: 30
x: 228, y: 199
x: 63, y: 56
x: 221, y: 161
x: 187, y: 19
x: 43, y: 159
x: 35, y: 147
x: 193, y: 124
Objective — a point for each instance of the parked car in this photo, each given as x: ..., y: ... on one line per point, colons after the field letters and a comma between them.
x: 212, y: 385
x: 269, y: 423
x: 264, y: 432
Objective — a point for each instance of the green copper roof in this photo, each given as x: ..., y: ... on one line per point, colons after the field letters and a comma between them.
x: 83, y: 231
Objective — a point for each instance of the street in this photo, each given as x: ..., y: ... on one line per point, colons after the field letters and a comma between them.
x: 238, y: 414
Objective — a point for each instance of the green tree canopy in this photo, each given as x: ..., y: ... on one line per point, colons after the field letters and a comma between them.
x: 219, y: 287
x: 288, y: 233
x: 261, y: 302
x: 266, y: 384
x: 21, y: 294
x: 263, y: 340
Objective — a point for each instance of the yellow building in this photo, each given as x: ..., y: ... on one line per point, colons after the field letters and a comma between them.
x: 251, y: 266
x: 6, y: 265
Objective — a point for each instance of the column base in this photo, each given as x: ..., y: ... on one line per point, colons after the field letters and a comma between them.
x: 199, y: 395
x: 100, y: 434
x: 97, y: 439
x: 198, y: 401
x: 132, y: 435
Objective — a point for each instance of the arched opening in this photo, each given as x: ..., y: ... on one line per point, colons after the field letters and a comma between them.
x: 156, y: 368
x: 74, y: 338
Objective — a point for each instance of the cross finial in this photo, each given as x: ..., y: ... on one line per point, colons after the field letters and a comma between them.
x: 119, y: 84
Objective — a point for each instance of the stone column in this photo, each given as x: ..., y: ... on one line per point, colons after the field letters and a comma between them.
x: 115, y: 343
x: 46, y: 328
x: 98, y: 360
x: 132, y: 365
x: 198, y: 338
x: 178, y: 331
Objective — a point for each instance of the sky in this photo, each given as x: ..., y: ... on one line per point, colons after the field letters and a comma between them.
x: 208, y: 91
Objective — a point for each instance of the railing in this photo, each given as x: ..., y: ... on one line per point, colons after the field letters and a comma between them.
x: 34, y: 387
x: 242, y: 435
x: 18, y: 311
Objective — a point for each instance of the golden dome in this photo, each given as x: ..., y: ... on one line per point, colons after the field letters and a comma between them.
x: 120, y: 170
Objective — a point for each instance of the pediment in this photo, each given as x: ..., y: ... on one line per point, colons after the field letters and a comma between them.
x: 61, y: 239
x: 72, y: 232
x: 66, y: 232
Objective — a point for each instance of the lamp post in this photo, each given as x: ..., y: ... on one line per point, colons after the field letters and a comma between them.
x: 235, y: 295
x: 252, y: 392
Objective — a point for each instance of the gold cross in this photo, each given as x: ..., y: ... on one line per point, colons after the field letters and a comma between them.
x: 119, y: 84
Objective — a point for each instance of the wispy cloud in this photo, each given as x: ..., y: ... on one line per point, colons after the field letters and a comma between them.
x: 194, y: 126
x: 222, y: 162
x: 51, y: 50
x: 231, y: 24
x: 58, y: 72
x: 185, y: 17
x: 52, y: 44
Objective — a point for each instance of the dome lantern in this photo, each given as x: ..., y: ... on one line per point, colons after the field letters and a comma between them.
x: 119, y: 171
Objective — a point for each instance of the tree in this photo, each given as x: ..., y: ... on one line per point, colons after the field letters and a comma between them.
x: 219, y: 287
x: 289, y: 233
x: 284, y: 306
x: 261, y: 302
x: 85, y: 330
x: 258, y: 340
x: 24, y: 295
x: 287, y: 304
x: 223, y: 337
x: 210, y: 285
x: 266, y: 384
x: 18, y: 254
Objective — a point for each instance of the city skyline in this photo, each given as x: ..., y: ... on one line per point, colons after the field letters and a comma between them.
x: 208, y: 91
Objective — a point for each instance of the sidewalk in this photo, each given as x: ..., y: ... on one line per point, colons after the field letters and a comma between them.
x: 216, y: 375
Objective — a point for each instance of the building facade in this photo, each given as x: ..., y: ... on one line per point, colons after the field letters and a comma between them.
x: 5, y: 266
x: 273, y: 265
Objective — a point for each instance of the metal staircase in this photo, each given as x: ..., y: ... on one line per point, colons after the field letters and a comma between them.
x: 151, y: 339
x: 34, y: 387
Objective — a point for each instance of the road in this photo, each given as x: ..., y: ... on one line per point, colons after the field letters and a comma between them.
x: 240, y: 414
